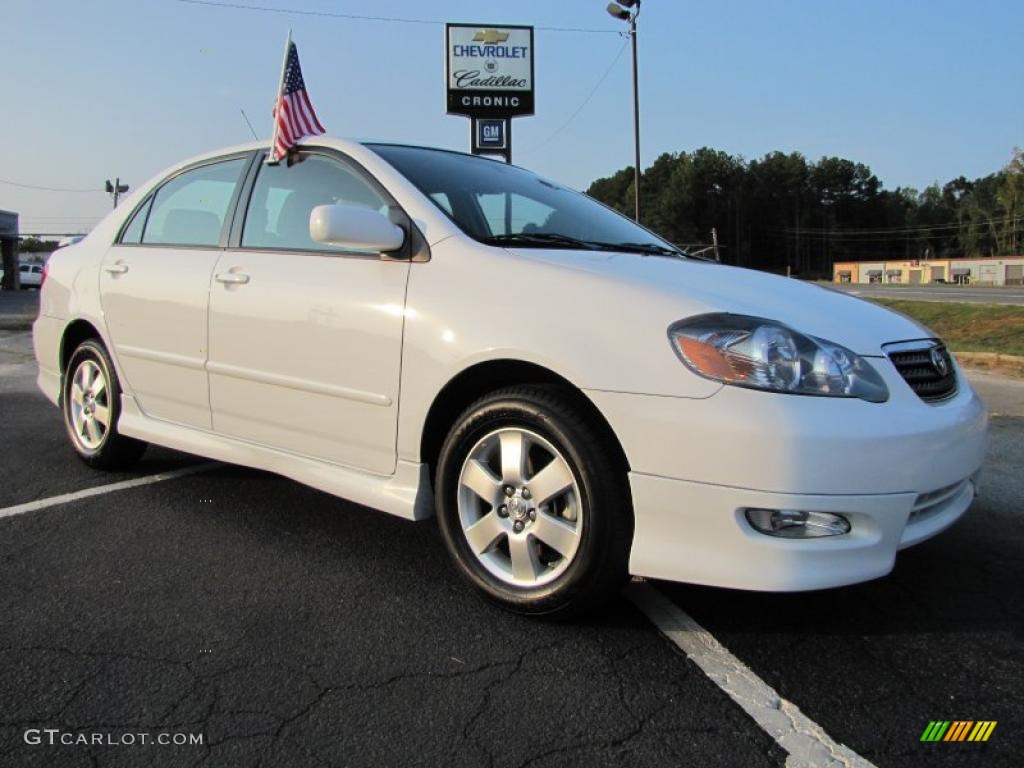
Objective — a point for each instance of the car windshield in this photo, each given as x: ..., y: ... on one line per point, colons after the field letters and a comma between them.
x: 501, y: 204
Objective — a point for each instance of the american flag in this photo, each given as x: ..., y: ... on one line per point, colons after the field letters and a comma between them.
x: 293, y: 114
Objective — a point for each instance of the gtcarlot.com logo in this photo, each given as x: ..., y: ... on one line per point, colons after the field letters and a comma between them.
x: 57, y: 737
x: 958, y: 730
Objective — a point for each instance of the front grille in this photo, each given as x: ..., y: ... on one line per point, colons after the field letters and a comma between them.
x: 926, y: 366
x: 930, y: 504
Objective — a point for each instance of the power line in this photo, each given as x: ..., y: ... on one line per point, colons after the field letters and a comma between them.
x: 94, y: 217
x: 586, y: 101
x: 896, y: 232
x: 47, y: 189
x: 363, y: 17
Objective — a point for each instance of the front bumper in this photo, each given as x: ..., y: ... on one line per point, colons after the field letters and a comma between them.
x: 697, y: 533
x: 900, y: 471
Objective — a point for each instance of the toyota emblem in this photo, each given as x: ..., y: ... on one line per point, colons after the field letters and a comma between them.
x: 939, y: 361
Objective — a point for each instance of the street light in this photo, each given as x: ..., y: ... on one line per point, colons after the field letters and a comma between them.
x: 116, y: 189
x: 619, y: 10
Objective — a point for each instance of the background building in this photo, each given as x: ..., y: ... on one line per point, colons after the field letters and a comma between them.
x: 8, y: 248
x: 1007, y: 270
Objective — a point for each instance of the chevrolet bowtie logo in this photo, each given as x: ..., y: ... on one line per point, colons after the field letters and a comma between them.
x: 490, y: 36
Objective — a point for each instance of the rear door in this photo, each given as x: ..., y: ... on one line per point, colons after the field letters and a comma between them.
x: 306, y: 339
x: 155, y: 283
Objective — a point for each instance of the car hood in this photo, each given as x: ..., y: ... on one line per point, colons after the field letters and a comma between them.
x: 699, y: 287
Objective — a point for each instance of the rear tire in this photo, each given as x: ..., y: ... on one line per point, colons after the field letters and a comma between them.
x: 533, y: 504
x: 91, y: 402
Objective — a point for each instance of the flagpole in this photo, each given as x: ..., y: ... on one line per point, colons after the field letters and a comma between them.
x: 277, y: 102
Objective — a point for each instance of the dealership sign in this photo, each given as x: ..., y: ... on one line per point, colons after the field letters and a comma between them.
x: 489, y: 70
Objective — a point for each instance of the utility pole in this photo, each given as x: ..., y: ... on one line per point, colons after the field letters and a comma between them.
x: 116, y: 189
x: 714, y: 241
x: 636, y: 120
x: 619, y: 11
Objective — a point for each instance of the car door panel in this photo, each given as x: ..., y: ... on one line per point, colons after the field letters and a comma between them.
x: 154, y: 288
x: 155, y: 307
x: 305, y: 356
x: 305, y: 340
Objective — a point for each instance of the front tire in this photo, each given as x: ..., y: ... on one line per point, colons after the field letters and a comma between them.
x: 91, y: 401
x: 532, y: 502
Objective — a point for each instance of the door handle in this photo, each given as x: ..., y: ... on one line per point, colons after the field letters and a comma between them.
x: 232, y: 278
x: 116, y: 269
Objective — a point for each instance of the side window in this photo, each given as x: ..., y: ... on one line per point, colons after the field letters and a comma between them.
x: 133, y: 232
x: 190, y: 208
x: 283, y: 197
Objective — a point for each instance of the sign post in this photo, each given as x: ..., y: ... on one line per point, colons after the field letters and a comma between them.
x: 489, y: 79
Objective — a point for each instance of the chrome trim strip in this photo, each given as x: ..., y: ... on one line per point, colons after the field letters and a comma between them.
x: 167, y: 358
x: 291, y: 382
x: 915, y: 345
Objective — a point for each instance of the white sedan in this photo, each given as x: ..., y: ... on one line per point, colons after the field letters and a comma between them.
x: 431, y: 333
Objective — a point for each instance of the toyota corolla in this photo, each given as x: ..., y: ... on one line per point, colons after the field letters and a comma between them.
x: 435, y: 334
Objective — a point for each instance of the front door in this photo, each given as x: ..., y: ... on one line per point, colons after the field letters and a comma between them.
x: 306, y: 340
x: 154, y: 288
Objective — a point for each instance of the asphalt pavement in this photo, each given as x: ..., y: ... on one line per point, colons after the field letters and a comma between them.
x: 18, y: 309
x: 290, y: 628
x: 1012, y: 295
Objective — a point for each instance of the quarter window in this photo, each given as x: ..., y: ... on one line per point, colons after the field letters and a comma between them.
x: 190, y: 208
x: 133, y: 232
x: 284, y: 196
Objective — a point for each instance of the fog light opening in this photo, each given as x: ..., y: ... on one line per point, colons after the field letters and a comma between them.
x: 797, y: 524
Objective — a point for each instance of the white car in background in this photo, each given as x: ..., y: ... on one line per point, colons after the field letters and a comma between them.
x: 427, y: 332
x: 31, y: 275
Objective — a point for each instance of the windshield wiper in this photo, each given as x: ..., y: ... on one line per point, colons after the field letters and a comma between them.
x: 555, y: 239
x: 542, y: 239
x: 654, y: 248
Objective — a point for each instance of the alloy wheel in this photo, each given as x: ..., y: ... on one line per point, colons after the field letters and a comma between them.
x: 519, y: 506
x: 90, y: 405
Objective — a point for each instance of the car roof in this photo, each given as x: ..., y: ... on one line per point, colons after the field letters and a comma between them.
x: 346, y: 144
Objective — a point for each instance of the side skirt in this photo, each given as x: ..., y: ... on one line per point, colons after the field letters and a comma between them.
x: 406, y: 493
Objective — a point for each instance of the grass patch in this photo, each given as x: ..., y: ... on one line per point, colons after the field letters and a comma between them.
x: 969, y: 327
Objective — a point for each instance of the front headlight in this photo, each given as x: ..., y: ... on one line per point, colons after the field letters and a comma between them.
x: 762, y: 354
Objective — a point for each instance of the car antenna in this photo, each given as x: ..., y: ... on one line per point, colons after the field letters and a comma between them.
x: 246, y: 117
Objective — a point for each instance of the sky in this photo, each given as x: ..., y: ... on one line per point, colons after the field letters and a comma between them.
x: 920, y: 91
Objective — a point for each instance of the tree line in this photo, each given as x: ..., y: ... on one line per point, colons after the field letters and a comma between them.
x: 783, y: 212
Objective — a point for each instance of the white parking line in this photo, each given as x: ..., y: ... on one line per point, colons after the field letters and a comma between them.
x: 805, y: 741
x: 64, y: 498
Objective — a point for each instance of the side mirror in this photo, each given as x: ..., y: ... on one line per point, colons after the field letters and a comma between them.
x: 349, y: 226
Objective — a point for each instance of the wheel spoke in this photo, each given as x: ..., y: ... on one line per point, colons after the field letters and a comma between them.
x: 88, y: 373
x: 551, y: 481
x: 77, y: 394
x: 102, y: 414
x: 525, y: 563
x: 481, y: 481
x: 513, y: 456
x: 557, y: 534
x: 482, y: 534
x: 98, y: 386
x: 93, y: 429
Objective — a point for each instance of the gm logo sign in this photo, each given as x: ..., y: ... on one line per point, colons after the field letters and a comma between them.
x: 491, y: 134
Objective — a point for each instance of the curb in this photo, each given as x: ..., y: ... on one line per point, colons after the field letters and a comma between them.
x: 991, y: 358
x: 1007, y: 365
x: 16, y: 322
